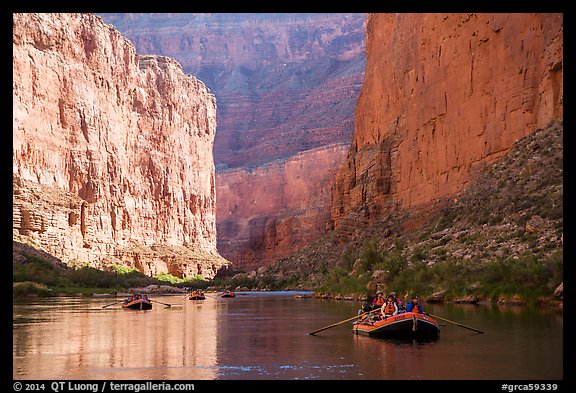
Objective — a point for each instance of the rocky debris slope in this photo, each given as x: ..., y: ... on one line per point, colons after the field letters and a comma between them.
x: 112, y: 151
x: 513, y: 208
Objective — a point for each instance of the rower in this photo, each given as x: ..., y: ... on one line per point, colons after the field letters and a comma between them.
x: 414, y: 306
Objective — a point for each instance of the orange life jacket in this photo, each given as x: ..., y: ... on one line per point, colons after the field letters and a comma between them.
x: 389, y: 309
x: 416, y: 308
x: 379, y: 302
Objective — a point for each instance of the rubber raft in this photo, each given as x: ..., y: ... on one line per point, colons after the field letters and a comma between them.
x: 228, y: 294
x: 407, y: 324
x: 138, y: 304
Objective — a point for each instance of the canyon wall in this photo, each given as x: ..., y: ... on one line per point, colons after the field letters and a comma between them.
x: 273, y: 210
x: 285, y: 84
x: 443, y: 96
x: 112, y: 151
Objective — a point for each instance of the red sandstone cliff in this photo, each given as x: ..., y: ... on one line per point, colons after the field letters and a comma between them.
x: 112, y: 152
x: 274, y: 210
x: 443, y: 95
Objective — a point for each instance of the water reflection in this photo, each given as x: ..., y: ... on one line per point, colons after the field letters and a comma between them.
x: 113, y: 343
x: 265, y: 336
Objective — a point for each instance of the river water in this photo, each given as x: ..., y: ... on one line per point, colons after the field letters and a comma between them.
x: 265, y: 336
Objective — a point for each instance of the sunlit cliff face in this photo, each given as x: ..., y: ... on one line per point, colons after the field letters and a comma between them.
x: 112, y: 152
x: 443, y: 95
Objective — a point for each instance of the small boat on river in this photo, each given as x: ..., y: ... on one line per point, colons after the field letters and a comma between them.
x: 228, y: 294
x: 142, y: 303
x: 197, y: 295
x: 407, y: 324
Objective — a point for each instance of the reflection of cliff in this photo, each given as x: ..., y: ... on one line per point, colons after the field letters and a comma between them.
x: 443, y: 95
x: 116, y: 344
x: 275, y: 209
x: 112, y: 152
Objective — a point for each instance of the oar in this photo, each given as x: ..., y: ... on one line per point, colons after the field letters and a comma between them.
x: 341, y: 322
x: 156, y: 301
x: 456, y: 323
x: 111, y: 304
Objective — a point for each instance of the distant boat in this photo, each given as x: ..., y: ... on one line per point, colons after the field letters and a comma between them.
x: 197, y: 296
x: 137, y: 304
x: 407, y: 324
x: 228, y: 294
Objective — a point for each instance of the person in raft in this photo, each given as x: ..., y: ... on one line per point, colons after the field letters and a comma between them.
x: 378, y: 300
x: 401, y: 307
x: 389, y: 307
x: 414, y: 306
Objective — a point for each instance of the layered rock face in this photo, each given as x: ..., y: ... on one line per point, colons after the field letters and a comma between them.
x: 285, y: 84
x: 443, y: 96
x: 275, y: 209
x: 112, y: 152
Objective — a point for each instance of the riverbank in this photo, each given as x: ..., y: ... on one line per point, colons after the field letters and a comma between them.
x: 544, y: 302
x: 36, y: 274
x: 550, y: 302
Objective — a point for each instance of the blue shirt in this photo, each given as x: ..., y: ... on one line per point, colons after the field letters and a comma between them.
x: 411, y: 306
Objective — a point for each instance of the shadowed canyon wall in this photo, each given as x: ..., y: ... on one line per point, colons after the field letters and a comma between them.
x: 444, y: 95
x: 112, y: 151
x: 285, y: 84
x: 273, y: 210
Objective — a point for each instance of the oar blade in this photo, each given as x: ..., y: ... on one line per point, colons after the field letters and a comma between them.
x: 111, y: 304
x: 338, y: 323
x: 457, y: 324
x: 166, y: 304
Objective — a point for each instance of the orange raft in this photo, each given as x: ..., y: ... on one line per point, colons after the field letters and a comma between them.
x: 407, y: 324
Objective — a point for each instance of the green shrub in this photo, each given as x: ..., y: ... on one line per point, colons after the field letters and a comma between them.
x: 36, y: 269
x: 169, y: 278
x: 119, y: 269
x: 529, y: 276
x: 418, y: 254
x: 369, y: 255
x: 26, y: 288
x: 338, y: 281
x: 349, y: 256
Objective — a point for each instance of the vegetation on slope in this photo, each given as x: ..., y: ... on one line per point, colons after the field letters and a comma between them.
x: 37, y: 275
